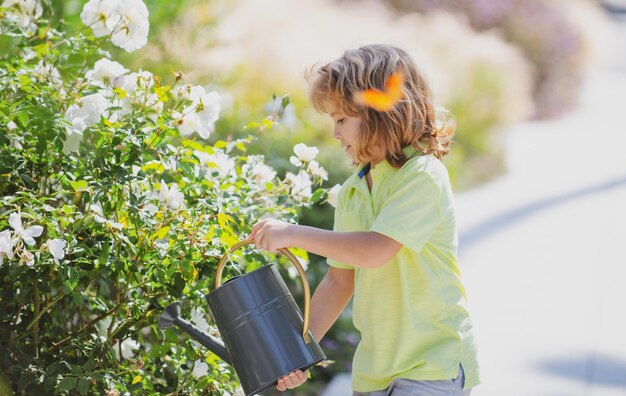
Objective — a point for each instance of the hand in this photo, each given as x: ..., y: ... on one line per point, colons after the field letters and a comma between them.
x: 271, y: 235
x: 292, y: 380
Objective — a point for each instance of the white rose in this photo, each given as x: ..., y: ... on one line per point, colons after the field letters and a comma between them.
x: 171, y: 196
x: 57, y: 248
x: 198, y: 319
x: 316, y: 169
x: 47, y: 71
x: 6, y: 247
x: 143, y: 80
x: 85, y: 112
x: 23, y: 13
x: 304, y: 152
x: 129, y: 346
x: 28, y: 234
x: 301, y: 185
x: 333, y: 195
x: 106, y: 73
x: 95, y: 14
x: 262, y: 174
x: 189, y: 122
x: 200, y: 369
x: 129, y: 25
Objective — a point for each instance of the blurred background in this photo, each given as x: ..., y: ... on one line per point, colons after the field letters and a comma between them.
x: 537, y: 88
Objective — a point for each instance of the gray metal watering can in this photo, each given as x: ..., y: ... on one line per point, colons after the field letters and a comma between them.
x: 265, y: 335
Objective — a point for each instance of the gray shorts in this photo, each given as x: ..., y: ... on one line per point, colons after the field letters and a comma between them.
x: 407, y: 387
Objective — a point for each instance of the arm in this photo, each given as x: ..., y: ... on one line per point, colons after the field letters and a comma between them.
x: 329, y: 300
x: 360, y: 249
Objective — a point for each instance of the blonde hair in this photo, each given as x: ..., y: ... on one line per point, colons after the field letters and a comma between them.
x: 412, y: 121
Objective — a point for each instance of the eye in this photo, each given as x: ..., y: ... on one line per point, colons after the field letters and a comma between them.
x: 340, y: 121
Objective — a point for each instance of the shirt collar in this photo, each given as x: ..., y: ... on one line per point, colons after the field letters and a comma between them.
x: 383, y: 166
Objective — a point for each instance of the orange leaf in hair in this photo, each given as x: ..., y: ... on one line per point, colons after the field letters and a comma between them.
x: 383, y: 100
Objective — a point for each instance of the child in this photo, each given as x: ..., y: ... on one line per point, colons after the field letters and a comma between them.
x: 394, y: 241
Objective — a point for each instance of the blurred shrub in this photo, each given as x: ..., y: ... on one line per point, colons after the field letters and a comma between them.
x: 552, y: 37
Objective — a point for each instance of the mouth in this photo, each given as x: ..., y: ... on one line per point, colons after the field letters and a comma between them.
x: 347, y: 147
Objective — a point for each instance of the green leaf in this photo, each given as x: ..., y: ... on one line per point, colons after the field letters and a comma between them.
x: 83, y: 386
x: 224, y: 219
x: 72, y: 278
x: 318, y: 195
x: 160, y: 234
x: 79, y: 185
x: 24, y: 80
x: 220, y: 144
x: 68, y: 383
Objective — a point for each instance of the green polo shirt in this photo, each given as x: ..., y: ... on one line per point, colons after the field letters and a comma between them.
x: 410, y: 312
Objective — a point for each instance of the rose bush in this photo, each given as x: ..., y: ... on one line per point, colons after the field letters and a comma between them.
x: 118, y: 196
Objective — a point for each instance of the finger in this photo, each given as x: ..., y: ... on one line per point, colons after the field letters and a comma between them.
x: 295, y: 379
x: 289, y: 382
x: 260, y: 240
x: 255, y: 229
x: 302, y: 376
x: 280, y: 385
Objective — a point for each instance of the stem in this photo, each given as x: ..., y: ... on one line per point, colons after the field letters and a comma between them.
x: 36, y: 321
x: 39, y: 313
x: 91, y: 323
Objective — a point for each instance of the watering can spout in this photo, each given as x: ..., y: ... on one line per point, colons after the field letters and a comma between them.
x: 171, y: 316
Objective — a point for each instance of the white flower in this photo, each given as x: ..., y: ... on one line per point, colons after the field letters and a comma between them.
x: 125, y: 20
x: 85, y: 112
x: 189, y: 122
x: 23, y: 13
x: 57, y: 248
x: 11, y: 125
x: 333, y: 195
x: 129, y: 25
x: 301, y: 185
x: 200, y: 369
x: 287, y: 118
x: 129, y: 346
x: 162, y: 245
x: 6, y: 247
x: 28, y: 234
x: 304, y: 152
x: 201, y: 114
x: 95, y: 14
x: 97, y: 213
x: 143, y: 80
x: 219, y: 160
x: 263, y: 174
x: 198, y: 319
x: 316, y: 169
x: 106, y: 73
x: 27, y: 258
x: 171, y: 196
x: 119, y: 107
x: 47, y: 71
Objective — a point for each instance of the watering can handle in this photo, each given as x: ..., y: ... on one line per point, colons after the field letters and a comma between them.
x: 296, y: 263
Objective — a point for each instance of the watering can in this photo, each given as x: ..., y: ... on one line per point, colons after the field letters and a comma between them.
x: 265, y: 335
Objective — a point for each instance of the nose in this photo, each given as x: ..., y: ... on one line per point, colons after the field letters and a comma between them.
x: 336, y: 133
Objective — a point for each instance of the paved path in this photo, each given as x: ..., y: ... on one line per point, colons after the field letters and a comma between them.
x: 543, y: 251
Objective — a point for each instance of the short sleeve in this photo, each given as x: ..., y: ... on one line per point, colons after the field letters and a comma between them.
x: 338, y: 225
x: 411, y: 212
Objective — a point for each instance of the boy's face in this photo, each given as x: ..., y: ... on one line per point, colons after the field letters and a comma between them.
x: 346, y: 130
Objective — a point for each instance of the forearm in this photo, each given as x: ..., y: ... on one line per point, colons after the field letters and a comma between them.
x: 328, y: 302
x: 360, y: 249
